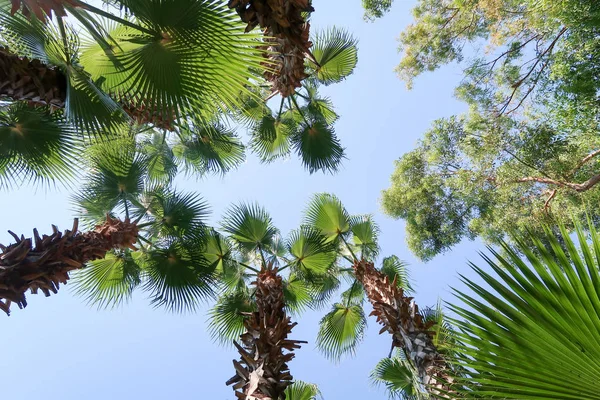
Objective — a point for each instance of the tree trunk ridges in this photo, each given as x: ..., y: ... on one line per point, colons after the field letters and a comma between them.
x: 31, y: 81
x: 142, y: 113
x: 400, y: 316
x: 262, y: 372
x: 44, y: 262
x: 287, y: 38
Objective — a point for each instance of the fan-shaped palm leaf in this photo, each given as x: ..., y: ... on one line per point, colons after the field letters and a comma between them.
x: 341, y: 331
x: 365, y: 232
x: 336, y: 53
x: 326, y: 213
x: 318, y: 108
x: 209, y: 148
x: 250, y: 226
x: 177, y: 276
x: 311, y: 252
x: 318, y: 147
x: 226, y: 318
x: 110, y: 281
x: 532, y: 331
x: 302, y: 391
x: 354, y: 295
x: 397, y: 269
x: 35, y: 145
x: 297, y: 294
x: 399, y: 377
x: 271, y: 138
x: 161, y: 165
x: 186, y: 55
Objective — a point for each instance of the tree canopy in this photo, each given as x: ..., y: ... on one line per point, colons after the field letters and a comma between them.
x: 525, y: 152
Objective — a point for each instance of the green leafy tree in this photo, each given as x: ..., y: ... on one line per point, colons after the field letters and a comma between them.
x: 531, y: 330
x: 526, y: 151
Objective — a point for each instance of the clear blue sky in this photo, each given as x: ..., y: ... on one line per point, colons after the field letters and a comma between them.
x: 61, y: 349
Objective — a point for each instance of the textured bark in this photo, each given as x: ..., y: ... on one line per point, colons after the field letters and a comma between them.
x: 262, y: 372
x: 400, y: 316
x: 45, y: 262
x: 22, y: 79
x: 286, y: 37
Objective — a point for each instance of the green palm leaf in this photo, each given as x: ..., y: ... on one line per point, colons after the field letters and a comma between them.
x: 110, y: 281
x: 226, y: 318
x: 271, y: 138
x: 319, y: 108
x: 310, y: 251
x: 341, y: 331
x: 397, y: 269
x: 177, y: 276
x: 336, y: 52
x: 187, y: 55
x: 209, y: 148
x: 91, y: 209
x: 161, y: 165
x: 355, y: 295
x: 365, y: 232
x: 532, y: 331
x: 250, y: 226
x: 297, y: 294
x: 36, y: 146
x: 318, y: 147
x: 326, y: 213
x: 302, y: 391
x: 399, y: 377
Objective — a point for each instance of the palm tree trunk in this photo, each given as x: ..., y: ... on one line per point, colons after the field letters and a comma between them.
x: 400, y: 316
x: 262, y: 372
x: 287, y: 38
x: 44, y: 263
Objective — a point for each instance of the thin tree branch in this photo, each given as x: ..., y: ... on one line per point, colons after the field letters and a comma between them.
x: 584, y: 161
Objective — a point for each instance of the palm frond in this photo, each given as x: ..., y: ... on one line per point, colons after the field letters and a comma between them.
x: 397, y: 269
x: 36, y: 146
x: 336, y: 53
x: 271, y: 138
x: 318, y: 147
x: 161, y: 165
x: 532, y: 331
x: 177, y: 276
x: 355, y: 295
x: 226, y: 318
x: 310, y: 251
x: 297, y: 294
x: 209, y: 148
x: 250, y: 226
x: 110, y: 281
x: 341, y: 331
x: 303, y: 391
x: 326, y: 213
x: 399, y: 377
x: 365, y: 232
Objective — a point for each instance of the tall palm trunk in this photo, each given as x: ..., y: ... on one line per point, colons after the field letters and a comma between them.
x: 44, y: 263
x: 400, y: 316
x: 287, y: 38
x: 262, y: 373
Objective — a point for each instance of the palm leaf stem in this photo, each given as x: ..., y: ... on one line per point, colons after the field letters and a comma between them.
x: 115, y: 18
x: 293, y: 97
x: 350, y: 250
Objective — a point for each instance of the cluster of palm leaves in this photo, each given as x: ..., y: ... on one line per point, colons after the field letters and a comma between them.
x: 183, y: 71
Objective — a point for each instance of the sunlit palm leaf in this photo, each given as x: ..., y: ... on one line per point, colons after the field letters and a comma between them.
x: 397, y: 269
x: 532, y: 331
x: 341, y: 331
x: 161, y: 166
x: 91, y: 209
x: 271, y: 138
x: 336, y: 52
x: 326, y: 213
x: 311, y: 252
x: 302, y: 391
x: 250, y: 226
x: 399, y: 377
x: 176, y: 215
x: 297, y: 294
x: 318, y: 147
x: 177, y: 276
x: 319, y: 108
x: 226, y: 321
x: 36, y: 146
x: 110, y: 281
x: 355, y: 295
x: 365, y: 232
x: 211, y: 148
x: 189, y: 55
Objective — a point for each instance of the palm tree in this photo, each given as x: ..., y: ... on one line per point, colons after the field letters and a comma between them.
x: 386, y: 288
x: 531, y: 331
x: 302, y: 391
x: 258, y: 312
